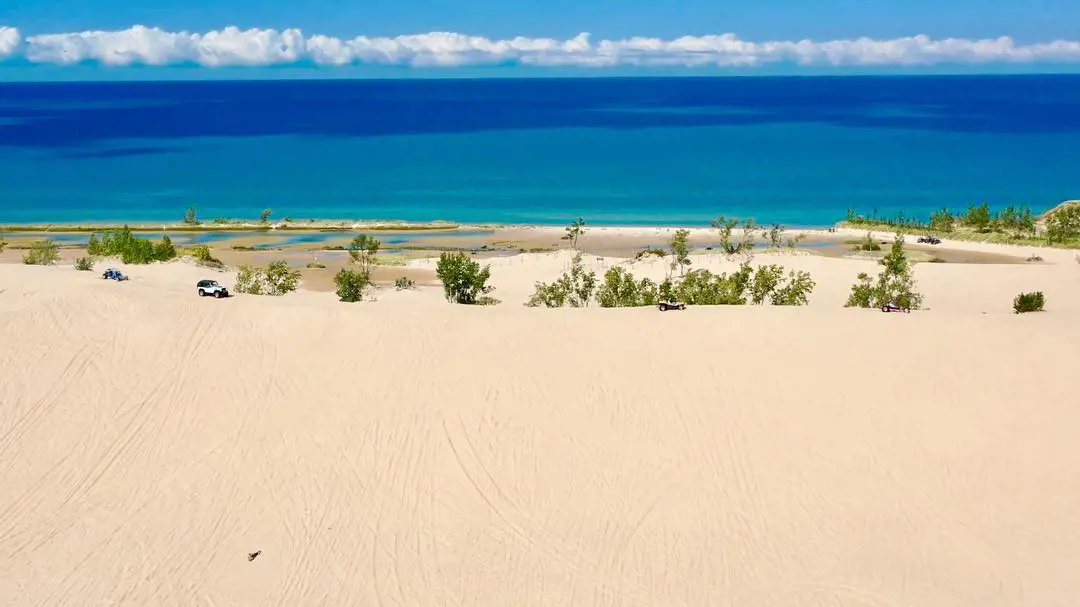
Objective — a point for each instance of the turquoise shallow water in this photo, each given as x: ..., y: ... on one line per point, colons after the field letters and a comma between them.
x: 797, y: 151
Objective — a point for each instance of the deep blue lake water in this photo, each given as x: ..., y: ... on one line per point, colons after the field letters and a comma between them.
x: 796, y: 150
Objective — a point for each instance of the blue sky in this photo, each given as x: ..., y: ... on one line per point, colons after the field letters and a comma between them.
x: 1026, y: 22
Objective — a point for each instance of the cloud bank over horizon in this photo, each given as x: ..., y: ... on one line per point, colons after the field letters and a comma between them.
x: 233, y: 47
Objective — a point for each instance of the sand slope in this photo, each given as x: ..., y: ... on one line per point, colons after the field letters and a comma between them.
x: 411, y: 452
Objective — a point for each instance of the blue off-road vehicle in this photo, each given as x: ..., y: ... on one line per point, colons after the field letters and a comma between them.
x: 114, y: 274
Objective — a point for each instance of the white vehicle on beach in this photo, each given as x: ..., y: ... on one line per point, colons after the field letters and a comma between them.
x: 212, y: 287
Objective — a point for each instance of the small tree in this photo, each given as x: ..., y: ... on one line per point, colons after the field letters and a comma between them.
x: 1029, y: 302
x: 84, y: 264
x: 793, y: 242
x: 894, y: 284
x: 264, y: 217
x: 746, y: 245
x: 775, y: 235
x: 680, y: 251
x: 190, y: 218
x: 463, y: 280
x: 725, y: 226
x: 362, y: 250
x: 3, y: 242
x: 942, y: 220
x: 42, y: 253
x: 978, y: 217
x: 164, y: 250
x: 574, y: 230
x: 404, y: 282
x: 350, y: 285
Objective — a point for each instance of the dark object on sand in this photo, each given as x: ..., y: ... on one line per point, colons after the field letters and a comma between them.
x: 664, y: 306
x: 929, y: 240
x: 114, y: 274
x: 252, y: 555
x: 891, y: 307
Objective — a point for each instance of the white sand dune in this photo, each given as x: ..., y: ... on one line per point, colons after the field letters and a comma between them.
x: 411, y: 452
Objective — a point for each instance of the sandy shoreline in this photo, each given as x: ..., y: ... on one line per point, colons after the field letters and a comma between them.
x: 406, y: 451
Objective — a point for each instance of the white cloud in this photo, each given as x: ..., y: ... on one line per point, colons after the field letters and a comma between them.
x: 9, y: 41
x: 231, y: 46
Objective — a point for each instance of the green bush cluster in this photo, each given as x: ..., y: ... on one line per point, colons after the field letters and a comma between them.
x: 894, y: 284
x: 574, y: 288
x: 621, y: 290
x: 747, y: 285
x: 351, y: 284
x: 201, y: 254
x: 404, y: 282
x: 42, y: 253
x: 1029, y: 302
x: 275, y: 279
x: 1063, y: 225
x: 129, y: 248
x: 464, y: 280
x: 84, y: 264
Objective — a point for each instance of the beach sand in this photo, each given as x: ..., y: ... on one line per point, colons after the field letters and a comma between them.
x: 412, y: 452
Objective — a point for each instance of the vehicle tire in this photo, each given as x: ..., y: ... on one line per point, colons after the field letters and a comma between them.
x: 202, y: 293
x: 219, y: 294
x: 663, y: 307
x: 884, y: 308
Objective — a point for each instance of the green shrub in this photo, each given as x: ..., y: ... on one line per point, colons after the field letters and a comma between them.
x: 3, y: 243
x: 190, y: 217
x: 766, y: 280
x: 314, y: 265
x: 264, y: 216
x: 203, y: 257
x: 574, y: 288
x: 775, y: 235
x: 703, y: 288
x: 129, y: 248
x: 84, y: 264
x: 795, y: 291
x: 649, y: 251
x: 350, y: 284
x: 1029, y: 302
x: 404, y: 282
x: 621, y: 290
x: 894, y: 284
x: 275, y: 279
x: 1063, y: 225
x: 463, y: 280
x: 42, y: 253
x: 942, y: 220
x: 248, y: 280
x: 867, y: 243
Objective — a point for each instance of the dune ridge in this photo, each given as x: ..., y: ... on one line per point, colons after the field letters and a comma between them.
x: 412, y: 452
